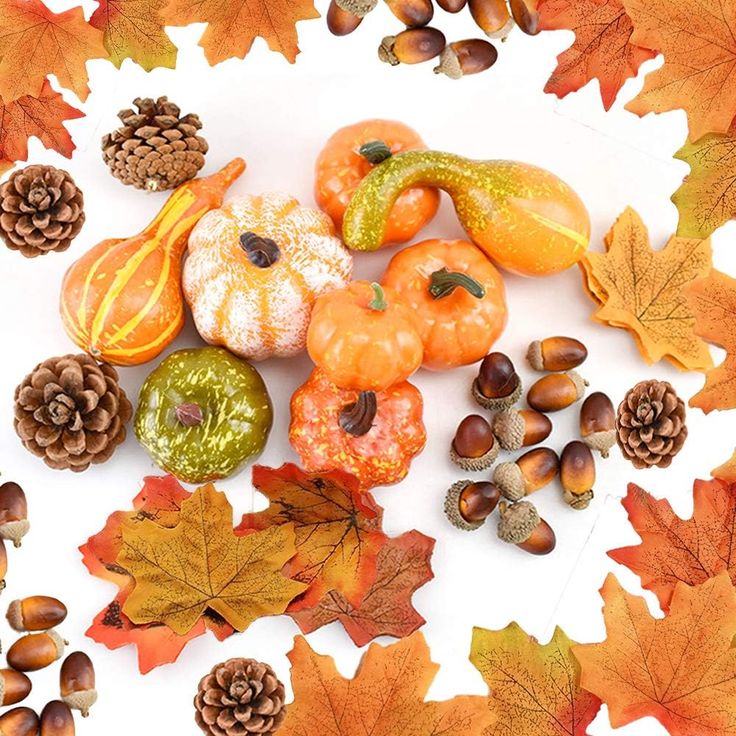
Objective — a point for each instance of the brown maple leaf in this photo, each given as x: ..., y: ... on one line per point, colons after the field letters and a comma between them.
x: 680, y: 669
x: 385, y: 698
x: 698, y: 40
x: 602, y: 48
x: 403, y: 566
x: 674, y: 550
x: 34, y: 42
x: 232, y: 27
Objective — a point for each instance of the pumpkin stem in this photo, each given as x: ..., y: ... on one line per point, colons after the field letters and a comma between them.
x: 261, y: 252
x: 357, y: 418
x: 375, y: 152
x: 378, y: 302
x: 444, y: 282
x: 190, y: 415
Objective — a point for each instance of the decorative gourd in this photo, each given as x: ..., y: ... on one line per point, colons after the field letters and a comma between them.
x: 373, y: 436
x: 346, y: 159
x: 254, y: 269
x: 122, y: 301
x: 457, y: 295
x: 364, y: 338
x: 525, y: 218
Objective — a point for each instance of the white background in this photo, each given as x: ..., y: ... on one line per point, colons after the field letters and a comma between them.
x: 278, y: 116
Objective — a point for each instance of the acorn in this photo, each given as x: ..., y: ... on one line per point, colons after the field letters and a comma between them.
x: 452, y: 6
x: 598, y: 423
x: 14, y: 687
x: 520, y: 524
x: 515, y: 429
x: 341, y: 22
x: 532, y: 471
x: 556, y: 391
x: 77, y: 682
x: 469, y: 504
x: 412, y: 46
x: 13, y: 513
x: 577, y: 474
x: 57, y: 720
x: 556, y: 354
x: 36, y: 613
x: 19, y: 722
x: 525, y: 15
x: 492, y: 17
x: 412, y: 13
x: 35, y: 651
x: 497, y: 386
x: 460, y: 58
x: 474, y: 447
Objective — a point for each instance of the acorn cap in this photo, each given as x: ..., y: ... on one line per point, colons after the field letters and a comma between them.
x: 517, y: 521
x: 452, y: 507
x: 14, y: 531
x: 82, y: 701
x: 601, y: 441
x: 15, y: 618
x: 449, y: 63
x: 58, y: 641
x: 534, y: 355
x: 475, y: 464
x: 386, y: 51
x: 510, y: 481
x: 499, y: 404
x: 578, y: 501
x: 359, y: 8
x: 579, y: 381
x: 509, y: 428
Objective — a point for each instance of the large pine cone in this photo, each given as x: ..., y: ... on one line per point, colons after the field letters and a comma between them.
x: 240, y: 697
x: 71, y: 412
x: 41, y: 209
x: 155, y: 148
x: 650, y: 425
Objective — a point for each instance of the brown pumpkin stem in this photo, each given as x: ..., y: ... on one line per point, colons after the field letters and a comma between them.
x: 375, y: 152
x: 261, y: 252
x: 357, y: 418
x: 190, y: 415
x: 378, y: 302
x: 444, y: 282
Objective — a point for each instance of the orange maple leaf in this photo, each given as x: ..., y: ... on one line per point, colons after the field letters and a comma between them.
x: 698, y: 40
x: 727, y: 471
x: 232, y: 27
x: 680, y: 669
x: 675, y: 550
x: 34, y: 42
x: 602, y: 48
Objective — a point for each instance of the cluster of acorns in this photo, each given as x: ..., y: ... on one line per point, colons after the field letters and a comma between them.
x: 478, y: 442
x: 419, y: 42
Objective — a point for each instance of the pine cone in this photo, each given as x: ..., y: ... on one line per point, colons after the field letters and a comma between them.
x: 155, y: 148
x: 240, y: 697
x: 650, y: 425
x: 71, y: 412
x: 41, y: 209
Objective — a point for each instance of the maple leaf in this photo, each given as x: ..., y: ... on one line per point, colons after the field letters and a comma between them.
x: 232, y: 27
x: 726, y: 472
x: 602, y: 48
x: 674, y: 550
x: 134, y: 29
x: 385, y: 698
x: 403, y: 566
x: 34, y: 42
x: 338, y: 530
x: 680, y: 669
x: 698, y: 40
x: 713, y: 302
x: 201, y: 564
x: 641, y: 290
x: 42, y: 116
x: 535, y: 687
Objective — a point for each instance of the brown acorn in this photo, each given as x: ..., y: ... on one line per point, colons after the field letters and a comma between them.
x: 474, y: 446
x: 13, y: 513
x: 14, y: 687
x: 19, y: 722
x: 598, y: 423
x: 77, y: 682
x: 526, y: 16
x: 497, y: 386
x: 412, y: 46
x: 515, y: 429
x: 492, y: 17
x: 556, y: 354
x: 556, y: 391
x: 412, y: 13
x: 452, y: 6
x: 469, y: 504
x: 35, y: 651
x: 520, y: 524
x: 577, y: 474
x: 36, y: 613
x: 532, y: 471
x: 341, y: 22
x: 461, y: 58
x: 57, y: 720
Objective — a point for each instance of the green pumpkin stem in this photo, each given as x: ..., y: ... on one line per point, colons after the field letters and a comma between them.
x: 378, y: 302
x: 189, y: 414
x: 375, y: 152
x: 357, y: 418
x: 444, y: 282
x: 261, y: 252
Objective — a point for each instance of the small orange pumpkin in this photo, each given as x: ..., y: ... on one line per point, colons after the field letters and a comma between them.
x: 341, y: 167
x: 364, y: 338
x: 373, y: 436
x: 457, y: 295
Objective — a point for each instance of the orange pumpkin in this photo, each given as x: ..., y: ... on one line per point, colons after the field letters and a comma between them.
x: 122, y: 300
x: 341, y: 167
x: 364, y: 338
x: 373, y: 436
x: 457, y: 295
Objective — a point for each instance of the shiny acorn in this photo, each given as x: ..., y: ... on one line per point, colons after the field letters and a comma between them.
x: 412, y: 13
x: 515, y: 429
x: 520, y: 524
x: 36, y: 613
x: 468, y: 504
x: 525, y: 15
x: 77, y: 682
x: 19, y: 722
x: 556, y: 391
x: 577, y: 474
x: 492, y: 17
x: 497, y: 385
x: 13, y: 513
x: 341, y: 22
x: 452, y: 6
x: 412, y: 46
x: 14, y: 687
x: 461, y: 58
x: 35, y: 651
x: 598, y: 423
x: 533, y: 470
x: 474, y: 446
x: 556, y: 354
x: 57, y: 720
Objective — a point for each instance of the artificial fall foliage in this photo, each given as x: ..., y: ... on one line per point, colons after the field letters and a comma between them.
x: 641, y: 290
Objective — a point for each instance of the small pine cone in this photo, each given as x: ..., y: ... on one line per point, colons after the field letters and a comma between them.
x: 156, y: 148
x: 71, y: 412
x: 41, y: 210
x: 240, y: 697
x: 650, y: 425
